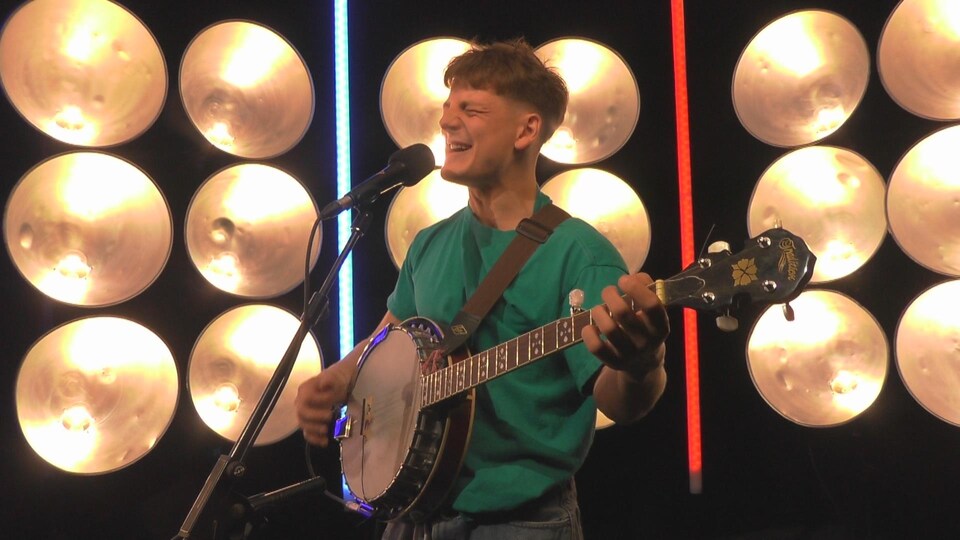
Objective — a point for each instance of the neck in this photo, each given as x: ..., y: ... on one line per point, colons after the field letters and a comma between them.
x: 503, y: 205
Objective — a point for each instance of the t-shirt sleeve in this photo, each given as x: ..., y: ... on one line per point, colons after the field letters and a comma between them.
x: 402, y: 301
x: 592, y: 279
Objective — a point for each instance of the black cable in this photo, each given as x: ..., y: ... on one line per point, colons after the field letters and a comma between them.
x: 306, y: 264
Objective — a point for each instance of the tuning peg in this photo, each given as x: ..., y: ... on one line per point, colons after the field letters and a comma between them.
x: 719, y: 247
x: 788, y: 312
x: 576, y: 301
x: 727, y: 322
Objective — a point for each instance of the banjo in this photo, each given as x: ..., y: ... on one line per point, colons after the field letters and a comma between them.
x: 407, y: 421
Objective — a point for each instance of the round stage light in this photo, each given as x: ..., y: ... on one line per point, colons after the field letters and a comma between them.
x: 800, y: 78
x: 610, y: 205
x: 232, y: 361
x: 413, y: 92
x: 922, y: 202
x: 928, y: 357
x: 918, y: 55
x: 604, y: 101
x: 85, y: 72
x: 831, y: 197
x: 88, y: 228
x: 247, y: 230
x: 417, y: 207
x: 823, y: 368
x: 96, y: 394
x: 246, y: 89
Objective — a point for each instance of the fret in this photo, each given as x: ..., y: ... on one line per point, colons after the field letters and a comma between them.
x: 501, y: 352
x: 461, y: 376
x: 474, y: 371
x: 523, y: 349
x: 536, y: 343
x: 549, y: 338
x: 511, y: 347
x: 482, y: 360
x: 447, y: 379
x: 580, y: 321
x: 564, y: 332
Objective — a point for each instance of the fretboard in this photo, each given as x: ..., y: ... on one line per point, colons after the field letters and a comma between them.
x: 504, y: 358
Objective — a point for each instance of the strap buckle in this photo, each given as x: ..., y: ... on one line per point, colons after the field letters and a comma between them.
x: 534, y: 230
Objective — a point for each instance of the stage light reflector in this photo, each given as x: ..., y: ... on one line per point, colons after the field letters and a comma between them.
x: 825, y: 367
x: 609, y: 204
x: 96, y: 394
x: 232, y: 361
x: 928, y: 357
x: 246, y: 89
x: 604, y: 101
x: 88, y: 228
x: 917, y: 58
x: 922, y: 202
x: 247, y: 230
x: 413, y: 92
x: 85, y: 72
x: 800, y: 78
x: 417, y: 207
x: 831, y: 197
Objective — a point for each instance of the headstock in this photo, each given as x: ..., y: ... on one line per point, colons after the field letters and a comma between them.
x: 772, y: 268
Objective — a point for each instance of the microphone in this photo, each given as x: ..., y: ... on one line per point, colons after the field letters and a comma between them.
x: 406, y: 166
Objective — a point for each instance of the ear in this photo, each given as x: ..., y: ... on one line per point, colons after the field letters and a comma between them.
x: 528, y: 131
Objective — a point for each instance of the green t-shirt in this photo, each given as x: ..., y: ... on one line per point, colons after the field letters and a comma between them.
x: 533, y: 426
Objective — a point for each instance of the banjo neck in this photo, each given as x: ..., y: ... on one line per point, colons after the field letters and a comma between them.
x: 470, y: 372
x: 774, y: 269
x: 496, y: 361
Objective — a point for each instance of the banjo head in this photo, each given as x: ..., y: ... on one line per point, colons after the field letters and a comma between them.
x: 382, y: 410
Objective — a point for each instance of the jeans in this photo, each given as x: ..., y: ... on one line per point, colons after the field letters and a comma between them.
x: 553, y: 516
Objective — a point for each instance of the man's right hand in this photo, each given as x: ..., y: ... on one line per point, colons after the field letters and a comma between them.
x: 317, y: 399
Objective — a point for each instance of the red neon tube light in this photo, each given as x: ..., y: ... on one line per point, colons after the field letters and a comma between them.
x: 684, y: 175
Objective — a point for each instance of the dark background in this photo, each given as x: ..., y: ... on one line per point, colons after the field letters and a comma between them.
x: 889, y: 473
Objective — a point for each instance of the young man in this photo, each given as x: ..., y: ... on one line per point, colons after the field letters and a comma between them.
x: 533, y: 426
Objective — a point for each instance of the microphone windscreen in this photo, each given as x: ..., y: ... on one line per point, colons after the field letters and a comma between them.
x: 417, y: 161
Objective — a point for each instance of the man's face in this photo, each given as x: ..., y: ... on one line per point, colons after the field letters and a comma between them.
x: 480, y: 129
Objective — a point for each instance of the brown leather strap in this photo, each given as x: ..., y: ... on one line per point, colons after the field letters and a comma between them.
x: 531, y: 233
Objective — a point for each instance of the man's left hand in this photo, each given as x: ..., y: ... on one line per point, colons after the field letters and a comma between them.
x: 632, y: 335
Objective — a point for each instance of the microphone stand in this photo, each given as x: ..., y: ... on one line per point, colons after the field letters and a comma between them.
x: 230, y: 467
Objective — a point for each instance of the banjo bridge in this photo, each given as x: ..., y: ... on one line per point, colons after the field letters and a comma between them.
x: 343, y: 427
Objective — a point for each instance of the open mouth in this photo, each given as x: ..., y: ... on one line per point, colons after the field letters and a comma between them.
x: 458, y: 147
